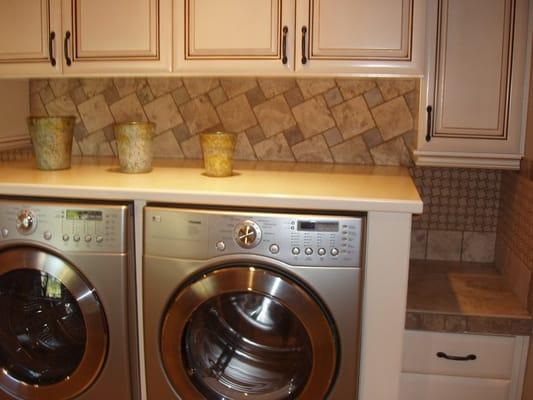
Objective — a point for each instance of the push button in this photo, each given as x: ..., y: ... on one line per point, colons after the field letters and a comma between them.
x: 221, y: 246
x: 334, y: 252
x: 88, y: 238
x: 321, y: 252
x: 66, y: 238
x: 274, y: 248
x: 308, y: 251
x: 5, y: 232
x: 47, y: 235
x: 99, y: 239
x: 76, y: 238
x: 295, y: 251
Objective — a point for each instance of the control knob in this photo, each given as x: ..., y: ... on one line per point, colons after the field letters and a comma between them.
x: 247, y: 234
x: 26, y: 222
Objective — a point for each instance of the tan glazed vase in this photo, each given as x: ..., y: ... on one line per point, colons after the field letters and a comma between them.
x: 134, y: 142
x: 52, y: 141
x: 218, y: 148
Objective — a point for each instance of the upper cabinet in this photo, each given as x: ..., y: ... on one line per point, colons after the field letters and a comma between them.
x: 47, y: 37
x: 384, y: 36
x: 474, y: 98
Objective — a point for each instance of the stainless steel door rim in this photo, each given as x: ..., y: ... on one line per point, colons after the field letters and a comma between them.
x: 31, y: 258
x: 239, y: 279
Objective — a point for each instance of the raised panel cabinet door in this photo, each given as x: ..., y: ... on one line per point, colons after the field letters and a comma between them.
x: 234, y: 35
x: 116, y: 36
x: 29, y: 37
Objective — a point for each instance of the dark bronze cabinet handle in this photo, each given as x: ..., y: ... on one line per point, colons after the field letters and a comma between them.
x: 67, y: 40
x: 304, y: 57
x: 51, y: 50
x: 429, y: 109
x: 284, y: 45
x: 470, y: 357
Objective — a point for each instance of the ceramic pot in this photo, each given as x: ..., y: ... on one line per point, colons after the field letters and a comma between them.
x: 134, y: 142
x: 218, y: 149
x: 52, y: 141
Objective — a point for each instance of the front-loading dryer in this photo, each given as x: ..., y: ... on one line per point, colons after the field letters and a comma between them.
x: 251, y: 305
x: 67, y: 329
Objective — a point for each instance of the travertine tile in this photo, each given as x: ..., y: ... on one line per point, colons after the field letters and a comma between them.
x: 128, y: 109
x: 199, y: 114
x: 273, y: 86
x: 353, y: 117
x: 294, y: 96
x: 293, y: 135
x: 181, y: 96
x: 243, y: 148
x: 333, y: 137
x: 166, y: 146
x: 410, y: 139
x: 313, y: 117
x: 444, y: 245
x: 109, y: 132
x: 274, y: 148
x: 274, y: 116
x: 373, y: 98
x: 36, y: 85
x: 47, y: 95
x: 80, y: 131
x: 236, y: 114
x: 354, y: 87
x: 60, y: 86
x: 372, y: 138
x: 255, y: 134
x: 236, y: 86
x: 310, y: 87
x: 393, y: 118
x: 78, y: 95
x: 198, y: 86
x: 96, y: 144
x: 145, y: 95
x: 111, y: 95
x: 161, y: 86
x: 255, y: 96
x: 412, y: 100
x: 64, y: 107
x: 164, y: 113
x: 191, y: 147
x: 352, y: 151
x: 95, y: 114
x: 314, y: 149
x: 391, y: 88
x: 127, y: 86
x: 333, y: 97
x: 392, y: 152
x: 479, y: 246
x: 217, y: 96
x: 94, y: 86
x: 418, y: 244
x: 37, y: 108
x: 181, y: 132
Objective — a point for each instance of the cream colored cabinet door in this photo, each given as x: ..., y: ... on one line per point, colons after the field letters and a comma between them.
x: 119, y: 36
x: 30, y: 37
x: 234, y: 36
x: 360, y: 36
x: 473, y: 112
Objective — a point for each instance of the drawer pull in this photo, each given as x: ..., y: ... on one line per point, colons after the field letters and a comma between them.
x: 66, y: 46
x: 304, y: 51
x: 429, y: 109
x: 470, y: 357
x: 284, y: 45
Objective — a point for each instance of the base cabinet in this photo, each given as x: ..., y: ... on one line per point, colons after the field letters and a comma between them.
x: 451, y: 366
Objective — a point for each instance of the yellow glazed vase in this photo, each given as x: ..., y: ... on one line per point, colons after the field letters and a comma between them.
x: 52, y: 141
x: 218, y: 149
x: 134, y: 143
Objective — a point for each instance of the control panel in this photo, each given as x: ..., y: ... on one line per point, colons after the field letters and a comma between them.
x: 64, y: 226
x: 296, y: 239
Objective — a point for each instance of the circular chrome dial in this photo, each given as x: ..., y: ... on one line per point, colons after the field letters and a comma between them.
x: 26, y: 222
x: 247, y: 234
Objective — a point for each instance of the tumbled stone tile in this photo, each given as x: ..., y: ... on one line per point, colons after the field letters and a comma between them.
x: 313, y: 117
x: 94, y: 86
x: 418, y: 244
x: 198, y: 86
x: 191, y: 147
x: 181, y: 96
x: 217, y: 96
x: 293, y: 135
x: 164, y: 113
x: 479, y: 246
x: 294, y: 96
x: 333, y: 136
x: 243, y: 148
x: 314, y: 149
x: 62, y: 86
x: 410, y: 139
x: 127, y: 86
x: 78, y: 95
x: 391, y: 88
x: 47, y: 95
x: 111, y: 95
x: 109, y: 133
x: 333, y: 97
x: 352, y: 151
x: 37, y: 108
x: 353, y: 117
x: 145, y: 95
x: 373, y: 98
x: 310, y: 87
x: 166, y: 146
x: 128, y: 109
x: 274, y: 148
x: 393, y: 152
x: 255, y: 97
x: 354, y: 87
x: 80, y: 131
x: 181, y: 132
x: 444, y: 245
x: 412, y: 101
x: 161, y: 86
x: 274, y: 116
x: 95, y: 144
x: 372, y: 138
x: 393, y: 118
x: 236, y: 86
x: 64, y: 106
x: 236, y: 114
x: 36, y: 85
x: 255, y: 134
x: 273, y: 86
x: 199, y: 114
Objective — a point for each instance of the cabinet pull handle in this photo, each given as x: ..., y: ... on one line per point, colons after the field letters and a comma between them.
x: 429, y: 109
x: 304, y: 57
x: 469, y: 357
x: 284, y: 45
x: 67, y: 40
x: 51, y: 50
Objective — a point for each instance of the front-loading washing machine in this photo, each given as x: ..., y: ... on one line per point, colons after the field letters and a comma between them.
x: 67, y: 301
x: 255, y: 305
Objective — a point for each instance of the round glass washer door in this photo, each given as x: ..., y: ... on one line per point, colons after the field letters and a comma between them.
x: 248, y: 333
x: 53, y: 331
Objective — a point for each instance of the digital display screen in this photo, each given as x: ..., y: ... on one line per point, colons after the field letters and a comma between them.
x: 84, y: 215
x: 313, y: 226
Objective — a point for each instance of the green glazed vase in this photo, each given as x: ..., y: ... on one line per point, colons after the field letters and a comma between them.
x: 52, y: 141
x: 134, y: 142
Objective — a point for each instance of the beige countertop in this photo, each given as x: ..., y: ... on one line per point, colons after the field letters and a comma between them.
x: 256, y: 184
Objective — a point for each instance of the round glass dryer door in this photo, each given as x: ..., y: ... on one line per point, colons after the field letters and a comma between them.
x: 248, y: 333
x: 53, y: 333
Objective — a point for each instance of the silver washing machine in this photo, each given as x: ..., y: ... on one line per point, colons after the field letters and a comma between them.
x: 251, y: 305
x: 67, y: 301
